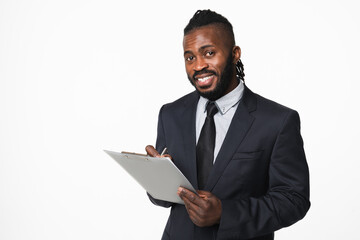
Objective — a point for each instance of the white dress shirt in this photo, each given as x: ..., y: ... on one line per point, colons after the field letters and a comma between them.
x: 227, y: 106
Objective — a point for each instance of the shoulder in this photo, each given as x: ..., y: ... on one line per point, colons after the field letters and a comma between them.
x: 270, y: 110
x: 266, y: 104
x: 181, y: 103
x: 257, y: 102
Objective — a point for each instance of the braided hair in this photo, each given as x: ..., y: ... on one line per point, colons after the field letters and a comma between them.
x: 207, y: 17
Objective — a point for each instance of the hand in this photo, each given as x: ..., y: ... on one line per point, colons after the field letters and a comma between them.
x: 151, y: 151
x: 204, y: 210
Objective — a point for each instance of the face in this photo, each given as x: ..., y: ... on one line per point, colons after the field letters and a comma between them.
x: 210, y: 61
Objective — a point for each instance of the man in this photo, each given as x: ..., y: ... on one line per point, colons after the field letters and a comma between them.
x: 243, y: 152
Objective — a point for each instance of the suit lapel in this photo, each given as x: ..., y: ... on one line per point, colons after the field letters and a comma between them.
x: 239, y: 126
x: 189, y: 136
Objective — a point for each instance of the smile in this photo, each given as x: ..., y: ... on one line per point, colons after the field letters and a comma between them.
x: 205, y: 81
x: 202, y: 80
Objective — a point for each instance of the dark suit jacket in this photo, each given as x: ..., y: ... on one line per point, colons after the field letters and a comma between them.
x: 260, y: 174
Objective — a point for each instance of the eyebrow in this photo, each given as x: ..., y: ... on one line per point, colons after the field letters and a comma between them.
x: 202, y: 47
x: 206, y: 46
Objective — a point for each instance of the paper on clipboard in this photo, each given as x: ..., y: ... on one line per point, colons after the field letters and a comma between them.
x: 158, y: 176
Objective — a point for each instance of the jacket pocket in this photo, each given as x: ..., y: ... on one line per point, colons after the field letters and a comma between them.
x: 240, y: 156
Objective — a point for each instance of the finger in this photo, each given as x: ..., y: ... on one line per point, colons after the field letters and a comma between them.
x: 188, y: 204
x: 191, y: 208
x: 204, y: 194
x: 194, y: 217
x: 151, y: 151
x: 192, y: 197
x: 167, y: 155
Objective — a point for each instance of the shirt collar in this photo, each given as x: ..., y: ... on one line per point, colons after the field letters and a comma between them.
x: 226, y: 102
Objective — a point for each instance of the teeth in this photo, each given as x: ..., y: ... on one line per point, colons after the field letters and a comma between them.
x: 204, y: 78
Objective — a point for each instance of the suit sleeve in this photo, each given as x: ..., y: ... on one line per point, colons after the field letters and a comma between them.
x: 287, y: 199
x: 160, y: 145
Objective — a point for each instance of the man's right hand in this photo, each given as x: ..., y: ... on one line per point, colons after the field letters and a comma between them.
x: 151, y: 151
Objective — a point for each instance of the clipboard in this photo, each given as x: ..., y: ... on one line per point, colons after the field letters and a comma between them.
x: 158, y: 176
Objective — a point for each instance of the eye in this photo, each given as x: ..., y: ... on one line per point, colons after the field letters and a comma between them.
x: 209, y: 53
x: 190, y: 58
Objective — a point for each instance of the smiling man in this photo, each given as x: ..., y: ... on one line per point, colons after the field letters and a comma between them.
x: 210, y: 54
x: 243, y: 152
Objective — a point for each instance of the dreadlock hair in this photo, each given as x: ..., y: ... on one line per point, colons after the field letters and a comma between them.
x: 206, y: 17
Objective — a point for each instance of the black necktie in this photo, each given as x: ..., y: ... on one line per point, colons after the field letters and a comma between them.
x: 205, y: 146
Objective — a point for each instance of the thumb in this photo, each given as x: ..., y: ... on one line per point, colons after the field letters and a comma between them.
x: 151, y: 151
x: 204, y: 194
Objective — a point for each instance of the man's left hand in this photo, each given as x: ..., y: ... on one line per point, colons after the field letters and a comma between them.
x: 204, y: 209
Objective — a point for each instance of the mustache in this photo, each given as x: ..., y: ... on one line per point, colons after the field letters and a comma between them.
x: 202, y: 72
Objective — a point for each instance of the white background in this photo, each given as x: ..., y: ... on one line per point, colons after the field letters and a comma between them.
x: 77, y: 77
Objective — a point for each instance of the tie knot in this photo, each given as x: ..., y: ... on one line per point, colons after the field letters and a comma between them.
x: 211, y: 109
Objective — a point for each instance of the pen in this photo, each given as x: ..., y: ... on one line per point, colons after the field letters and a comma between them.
x: 164, y: 151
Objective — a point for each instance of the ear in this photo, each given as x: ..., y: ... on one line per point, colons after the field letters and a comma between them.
x: 236, y: 52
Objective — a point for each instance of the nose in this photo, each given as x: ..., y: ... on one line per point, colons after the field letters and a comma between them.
x: 200, y: 64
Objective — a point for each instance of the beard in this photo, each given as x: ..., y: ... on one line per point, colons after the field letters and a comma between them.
x: 221, y: 86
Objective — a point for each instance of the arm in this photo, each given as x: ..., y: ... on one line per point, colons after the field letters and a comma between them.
x: 287, y: 199
x: 160, y: 145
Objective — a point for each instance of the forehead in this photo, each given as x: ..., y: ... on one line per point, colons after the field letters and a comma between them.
x: 207, y: 35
